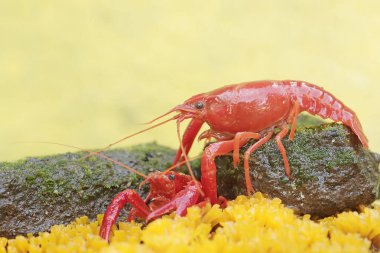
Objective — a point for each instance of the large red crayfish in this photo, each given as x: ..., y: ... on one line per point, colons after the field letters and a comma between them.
x: 235, y: 114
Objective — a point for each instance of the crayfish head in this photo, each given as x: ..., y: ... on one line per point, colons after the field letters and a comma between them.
x: 218, y: 108
x: 215, y: 109
x: 194, y: 107
x: 180, y: 180
x: 167, y: 184
x: 161, y: 185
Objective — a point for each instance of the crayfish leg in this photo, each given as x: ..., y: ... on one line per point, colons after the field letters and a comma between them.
x: 113, y: 210
x: 247, y: 155
x: 241, y: 139
x: 186, y: 198
x: 188, y: 138
x: 279, y: 136
x: 293, y: 116
x: 208, y: 168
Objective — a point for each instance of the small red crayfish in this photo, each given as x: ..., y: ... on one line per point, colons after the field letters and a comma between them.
x: 168, y: 192
x: 235, y: 114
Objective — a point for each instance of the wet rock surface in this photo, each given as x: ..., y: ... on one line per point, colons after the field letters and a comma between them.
x: 37, y: 193
x: 330, y: 172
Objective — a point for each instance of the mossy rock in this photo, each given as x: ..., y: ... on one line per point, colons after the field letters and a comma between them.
x: 330, y: 171
x: 36, y: 193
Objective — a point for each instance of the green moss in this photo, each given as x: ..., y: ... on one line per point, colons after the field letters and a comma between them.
x: 302, y: 175
x: 56, y: 175
x: 305, y: 120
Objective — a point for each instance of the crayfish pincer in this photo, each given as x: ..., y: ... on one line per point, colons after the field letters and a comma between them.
x: 241, y: 112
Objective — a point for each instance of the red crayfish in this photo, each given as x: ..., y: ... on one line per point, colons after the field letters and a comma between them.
x: 168, y: 192
x: 235, y: 114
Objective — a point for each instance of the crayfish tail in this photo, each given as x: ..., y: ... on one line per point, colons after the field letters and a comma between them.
x: 317, y: 101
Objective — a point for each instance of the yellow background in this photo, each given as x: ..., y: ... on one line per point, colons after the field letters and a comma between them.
x: 88, y: 72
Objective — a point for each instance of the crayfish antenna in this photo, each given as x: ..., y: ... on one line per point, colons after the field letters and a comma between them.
x: 187, y: 160
x: 131, y: 135
x: 161, y: 116
x: 98, y: 154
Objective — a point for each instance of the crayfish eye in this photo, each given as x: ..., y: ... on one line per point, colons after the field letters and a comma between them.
x: 171, y: 176
x: 199, y: 105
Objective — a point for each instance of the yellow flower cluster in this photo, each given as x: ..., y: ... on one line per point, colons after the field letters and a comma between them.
x: 248, y: 224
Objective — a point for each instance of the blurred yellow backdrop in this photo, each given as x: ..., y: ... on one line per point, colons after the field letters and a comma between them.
x: 88, y: 72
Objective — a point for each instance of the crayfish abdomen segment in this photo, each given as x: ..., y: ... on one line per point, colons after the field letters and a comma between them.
x: 317, y: 101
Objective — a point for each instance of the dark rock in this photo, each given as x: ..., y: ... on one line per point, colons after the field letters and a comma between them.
x: 37, y: 193
x: 330, y: 172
